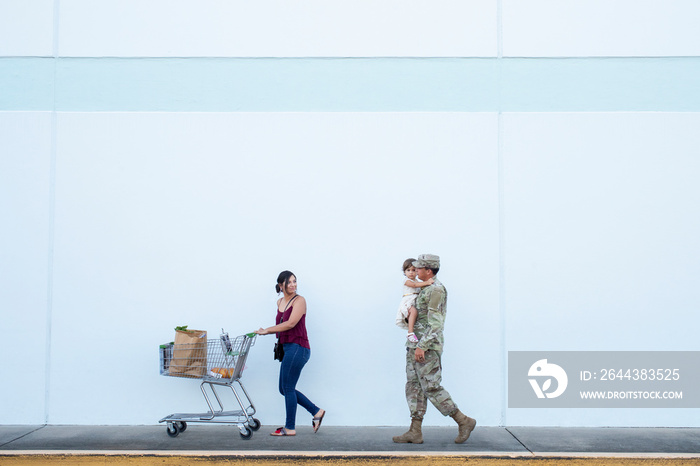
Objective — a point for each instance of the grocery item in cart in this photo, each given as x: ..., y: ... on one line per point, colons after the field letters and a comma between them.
x: 189, y: 353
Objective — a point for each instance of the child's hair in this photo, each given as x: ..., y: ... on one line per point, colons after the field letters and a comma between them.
x: 408, y: 263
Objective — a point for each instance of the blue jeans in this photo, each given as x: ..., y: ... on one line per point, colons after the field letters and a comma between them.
x: 295, y: 358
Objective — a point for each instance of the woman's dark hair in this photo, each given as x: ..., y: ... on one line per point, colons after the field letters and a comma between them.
x: 408, y: 263
x: 283, y: 280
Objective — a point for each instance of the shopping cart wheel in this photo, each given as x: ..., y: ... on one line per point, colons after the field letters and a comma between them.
x: 172, y: 429
x: 246, y: 434
x: 182, y: 425
x: 254, y: 424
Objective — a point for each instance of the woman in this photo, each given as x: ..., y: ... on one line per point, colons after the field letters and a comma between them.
x: 291, y: 329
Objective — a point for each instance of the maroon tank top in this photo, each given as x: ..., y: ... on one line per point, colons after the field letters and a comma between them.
x: 293, y: 335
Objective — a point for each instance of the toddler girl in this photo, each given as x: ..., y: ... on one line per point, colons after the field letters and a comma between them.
x: 406, y: 317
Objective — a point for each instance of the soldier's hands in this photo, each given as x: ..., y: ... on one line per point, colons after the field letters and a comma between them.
x: 420, y: 355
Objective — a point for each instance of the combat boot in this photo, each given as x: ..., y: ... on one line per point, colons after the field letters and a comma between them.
x: 466, y: 425
x: 414, y: 434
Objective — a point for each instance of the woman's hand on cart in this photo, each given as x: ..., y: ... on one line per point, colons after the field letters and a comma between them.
x: 262, y: 331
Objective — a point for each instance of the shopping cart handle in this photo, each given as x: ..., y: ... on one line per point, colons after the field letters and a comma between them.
x: 251, y: 334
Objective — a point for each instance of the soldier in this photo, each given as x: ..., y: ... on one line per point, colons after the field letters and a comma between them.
x: 423, y: 366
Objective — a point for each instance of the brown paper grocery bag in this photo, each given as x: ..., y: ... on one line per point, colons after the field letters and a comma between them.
x: 189, y: 354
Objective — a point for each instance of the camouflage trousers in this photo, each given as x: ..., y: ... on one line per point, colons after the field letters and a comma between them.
x: 423, y: 383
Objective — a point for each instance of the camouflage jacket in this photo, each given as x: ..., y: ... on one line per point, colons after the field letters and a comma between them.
x: 432, y: 309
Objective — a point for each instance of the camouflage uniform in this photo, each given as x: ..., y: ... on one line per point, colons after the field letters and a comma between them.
x: 423, y: 379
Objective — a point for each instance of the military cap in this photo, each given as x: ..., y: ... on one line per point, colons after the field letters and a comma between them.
x: 427, y: 261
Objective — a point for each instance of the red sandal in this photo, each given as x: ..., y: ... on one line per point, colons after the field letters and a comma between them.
x: 281, y: 432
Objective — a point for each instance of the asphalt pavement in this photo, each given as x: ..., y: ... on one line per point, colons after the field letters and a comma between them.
x: 226, y: 439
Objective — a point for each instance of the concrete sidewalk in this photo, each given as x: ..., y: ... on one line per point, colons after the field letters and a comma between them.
x: 202, y: 439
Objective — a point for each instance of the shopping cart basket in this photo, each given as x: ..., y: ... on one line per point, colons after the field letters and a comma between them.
x: 217, y: 362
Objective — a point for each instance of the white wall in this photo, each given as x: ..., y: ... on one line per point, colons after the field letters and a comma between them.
x: 275, y: 28
x: 445, y: 28
x: 148, y: 237
x: 26, y: 28
x: 588, y: 28
x: 601, y: 242
x: 25, y: 181
x: 557, y: 231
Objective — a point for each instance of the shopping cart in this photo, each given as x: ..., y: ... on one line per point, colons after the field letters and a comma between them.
x: 217, y: 362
